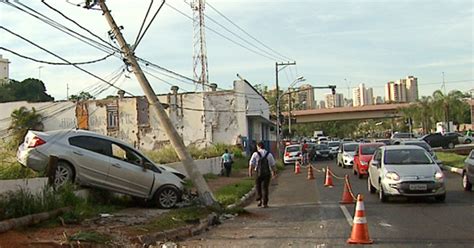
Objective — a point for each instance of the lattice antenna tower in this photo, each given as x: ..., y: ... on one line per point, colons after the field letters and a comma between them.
x: 201, y: 73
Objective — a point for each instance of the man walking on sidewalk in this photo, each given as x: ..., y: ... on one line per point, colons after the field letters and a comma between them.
x: 263, y: 164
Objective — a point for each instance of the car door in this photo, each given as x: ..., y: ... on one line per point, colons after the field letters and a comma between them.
x: 127, y: 173
x: 89, y: 155
x: 374, y: 168
x: 470, y: 165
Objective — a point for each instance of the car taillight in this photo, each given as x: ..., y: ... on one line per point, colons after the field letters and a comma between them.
x: 287, y: 154
x: 36, y: 141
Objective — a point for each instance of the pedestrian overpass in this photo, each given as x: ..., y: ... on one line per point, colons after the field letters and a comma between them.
x: 347, y: 113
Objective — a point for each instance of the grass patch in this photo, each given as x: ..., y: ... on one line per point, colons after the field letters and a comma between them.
x: 175, y: 218
x: 10, y: 168
x: 167, y: 154
x: 231, y: 193
x: 210, y: 176
x: 93, y: 237
x: 451, y: 159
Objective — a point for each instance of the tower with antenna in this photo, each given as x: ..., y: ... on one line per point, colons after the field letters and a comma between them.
x: 201, y: 74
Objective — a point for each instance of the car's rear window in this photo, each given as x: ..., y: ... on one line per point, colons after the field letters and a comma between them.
x: 333, y: 144
x: 369, y: 150
x: 350, y: 147
x: 406, y: 157
x: 293, y: 149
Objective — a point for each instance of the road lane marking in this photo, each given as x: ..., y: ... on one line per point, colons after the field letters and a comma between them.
x: 385, y: 224
x: 346, y: 214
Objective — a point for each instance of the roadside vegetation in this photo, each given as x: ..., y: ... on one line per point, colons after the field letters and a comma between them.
x: 451, y: 159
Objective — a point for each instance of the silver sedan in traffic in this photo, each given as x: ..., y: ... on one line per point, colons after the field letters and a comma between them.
x: 405, y: 170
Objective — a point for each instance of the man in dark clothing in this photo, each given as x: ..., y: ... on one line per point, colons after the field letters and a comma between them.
x: 263, y: 164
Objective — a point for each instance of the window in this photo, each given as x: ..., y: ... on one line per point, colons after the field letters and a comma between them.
x: 91, y: 143
x: 377, y: 156
x: 143, y: 112
x: 406, y: 156
x: 350, y: 147
x: 368, y: 150
x: 126, y: 154
x: 112, y: 116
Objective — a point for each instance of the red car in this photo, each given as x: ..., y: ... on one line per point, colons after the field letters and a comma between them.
x: 362, y: 157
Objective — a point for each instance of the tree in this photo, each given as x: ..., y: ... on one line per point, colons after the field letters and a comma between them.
x: 22, y: 121
x: 83, y: 96
x: 31, y: 90
x: 450, y: 107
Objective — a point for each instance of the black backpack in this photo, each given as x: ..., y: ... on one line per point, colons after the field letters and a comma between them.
x: 263, y: 168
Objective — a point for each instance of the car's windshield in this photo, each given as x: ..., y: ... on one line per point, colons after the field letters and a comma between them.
x: 406, y: 156
x: 293, y: 148
x: 369, y: 150
x: 350, y: 147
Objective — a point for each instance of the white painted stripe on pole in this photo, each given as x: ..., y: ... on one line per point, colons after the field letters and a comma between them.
x: 360, y: 220
x: 346, y: 214
x: 360, y: 206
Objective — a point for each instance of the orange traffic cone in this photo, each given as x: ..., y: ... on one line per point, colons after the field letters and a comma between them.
x: 310, y: 172
x: 360, y: 230
x: 346, y: 194
x: 328, y: 180
x: 297, y: 167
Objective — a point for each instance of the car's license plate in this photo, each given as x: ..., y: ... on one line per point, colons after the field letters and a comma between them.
x: 418, y: 187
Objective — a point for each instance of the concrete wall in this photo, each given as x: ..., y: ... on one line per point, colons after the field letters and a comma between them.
x: 57, y: 115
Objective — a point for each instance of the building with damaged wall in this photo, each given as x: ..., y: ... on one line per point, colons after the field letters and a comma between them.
x: 239, y: 116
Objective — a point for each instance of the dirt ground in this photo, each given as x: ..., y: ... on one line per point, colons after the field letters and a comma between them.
x: 55, y: 236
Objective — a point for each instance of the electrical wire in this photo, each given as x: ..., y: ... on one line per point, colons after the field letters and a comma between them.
x: 59, y: 57
x: 56, y: 63
x: 149, y: 24
x: 241, y: 29
x: 221, y: 35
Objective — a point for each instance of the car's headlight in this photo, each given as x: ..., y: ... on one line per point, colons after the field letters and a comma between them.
x: 392, y: 176
x: 439, y: 175
x: 317, y: 152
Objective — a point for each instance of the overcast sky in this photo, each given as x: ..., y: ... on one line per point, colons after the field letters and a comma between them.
x: 332, y: 41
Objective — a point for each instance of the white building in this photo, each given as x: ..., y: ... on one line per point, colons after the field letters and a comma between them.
x: 403, y: 90
x: 239, y: 116
x: 322, y: 104
x: 4, y: 71
x: 334, y: 101
x: 362, y: 96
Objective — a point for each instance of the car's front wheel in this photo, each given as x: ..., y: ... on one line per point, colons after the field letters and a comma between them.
x: 451, y: 145
x: 466, y: 185
x: 63, y: 174
x: 382, y: 196
x: 370, y: 187
x: 167, y: 197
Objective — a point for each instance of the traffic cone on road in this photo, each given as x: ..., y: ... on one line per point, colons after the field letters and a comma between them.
x: 297, y: 167
x: 346, y: 194
x: 360, y: 229
x: 328, y: 180
x: 310, y: 172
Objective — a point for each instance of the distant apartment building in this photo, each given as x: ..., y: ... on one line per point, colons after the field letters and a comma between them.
x: 378, y: 100
x: 305, y: 96
x: 334, y: 101
x: 322, y: 104
x: 4, y: 74
x: 362, y: 96
x: 403, y: 90
x: 348, y: 102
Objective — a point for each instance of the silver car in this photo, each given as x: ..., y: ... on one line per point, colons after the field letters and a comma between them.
x: 345, y: 155
x: 405, y: 170
x: 468, y: 172
x: 91, y: 159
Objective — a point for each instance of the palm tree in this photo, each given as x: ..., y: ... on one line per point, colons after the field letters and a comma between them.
x: 425, y: 113
x: 449, y: 107
x: 22, y: 121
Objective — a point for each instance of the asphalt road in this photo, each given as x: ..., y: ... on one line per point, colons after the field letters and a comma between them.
x: 304, y: 213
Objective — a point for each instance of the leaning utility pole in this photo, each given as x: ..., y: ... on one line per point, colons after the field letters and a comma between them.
x: 278, y: 103
x: 205, y: 194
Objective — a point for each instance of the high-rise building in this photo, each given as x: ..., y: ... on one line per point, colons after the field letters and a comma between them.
x: 378, y: 100
x: 334, y: 101
x: 4, y: 74
x: 362, y: 96
x: 403, y: 90
x: 322, y: 104
x: 305, y: 96
x: 412, y: 88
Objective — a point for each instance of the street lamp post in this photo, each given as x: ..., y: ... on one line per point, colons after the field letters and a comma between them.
x: 298, y: 80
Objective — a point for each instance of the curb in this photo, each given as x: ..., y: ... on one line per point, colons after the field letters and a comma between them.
x: 245, y: 200
x: 452, y: 169
x: 181, y: 232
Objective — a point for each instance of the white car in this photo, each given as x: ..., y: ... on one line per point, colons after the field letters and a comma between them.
x: 292, y: 154
x: 345, y: 155
x: 405, y: 170
x: 100, y: 161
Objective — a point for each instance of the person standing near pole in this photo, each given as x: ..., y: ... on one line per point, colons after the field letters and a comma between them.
x: 263, y: 164
x: 226, y: 162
